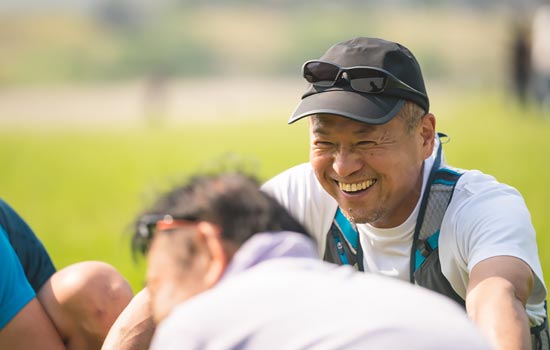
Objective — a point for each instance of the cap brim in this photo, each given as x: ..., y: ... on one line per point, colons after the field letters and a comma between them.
x: 366, y: 108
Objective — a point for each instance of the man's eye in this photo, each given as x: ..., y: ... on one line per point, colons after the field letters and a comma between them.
x: 365, y: 144
x: 323, y: 144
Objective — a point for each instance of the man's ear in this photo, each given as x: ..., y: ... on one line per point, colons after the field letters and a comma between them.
x: 427, y: 133
x: 210, y: 235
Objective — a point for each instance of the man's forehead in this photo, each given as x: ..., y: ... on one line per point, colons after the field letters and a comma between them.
x: 322, y: 123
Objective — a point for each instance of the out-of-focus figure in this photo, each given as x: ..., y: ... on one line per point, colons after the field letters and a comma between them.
x: 540, y: 56
x: 155, y: 97
x: 520, y: 64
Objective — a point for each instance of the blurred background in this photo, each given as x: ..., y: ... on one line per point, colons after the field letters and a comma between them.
x: 104, y: 104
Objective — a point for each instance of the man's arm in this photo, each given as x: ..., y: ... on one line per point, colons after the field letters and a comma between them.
x: 495, y: 299
x: 30, y: 329
x: 134, y: 328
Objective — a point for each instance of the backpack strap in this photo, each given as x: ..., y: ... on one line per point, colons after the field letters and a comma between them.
x: 425, y: 267
x: 347, y: 229
x: 425, y: 256
x: 426, y: 237
x: 437, y: 196
x: 343, y: 245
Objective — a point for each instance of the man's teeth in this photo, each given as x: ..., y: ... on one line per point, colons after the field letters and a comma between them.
x: 358, y: 186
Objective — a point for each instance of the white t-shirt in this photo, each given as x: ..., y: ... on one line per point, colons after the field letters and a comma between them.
x: 269, y: 298
x: 485, y: 218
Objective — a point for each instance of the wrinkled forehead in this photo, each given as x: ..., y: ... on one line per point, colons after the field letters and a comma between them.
x: 322, y: 123
x: 327, y: 125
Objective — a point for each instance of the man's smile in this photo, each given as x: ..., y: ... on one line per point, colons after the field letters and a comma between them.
x: 356, y: 186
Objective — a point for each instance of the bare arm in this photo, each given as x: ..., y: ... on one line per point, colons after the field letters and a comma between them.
x: 496, y: 296
x: 30, y: 329
x: 134, y: 328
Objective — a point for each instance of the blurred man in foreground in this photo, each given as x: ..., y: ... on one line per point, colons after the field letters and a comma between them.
x: 229, y: 268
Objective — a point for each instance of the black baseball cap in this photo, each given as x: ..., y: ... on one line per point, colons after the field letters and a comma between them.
x: 372, y: 108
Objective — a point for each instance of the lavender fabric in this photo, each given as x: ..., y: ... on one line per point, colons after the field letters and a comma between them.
x: 277, y: 295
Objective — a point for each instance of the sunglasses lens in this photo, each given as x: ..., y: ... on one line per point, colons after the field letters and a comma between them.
x: 321, y: 73
x: 146, y: 228
x: 367, y: 80
x: 151, y: 229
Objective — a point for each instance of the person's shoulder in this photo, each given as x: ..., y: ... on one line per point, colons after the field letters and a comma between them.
x: 10, y: 220
x: 480, y: 197
x: 5, y: 212
x: 4, y: 207
x: 300, y: 170
x: 297, y: 175
x: 476, y: 185
x: 298, y: 190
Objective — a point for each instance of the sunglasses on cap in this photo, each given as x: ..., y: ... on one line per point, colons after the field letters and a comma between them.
x: 365, y: 79
x: 149, y: 225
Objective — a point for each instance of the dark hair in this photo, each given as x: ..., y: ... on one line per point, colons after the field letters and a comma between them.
x: 232, y: 201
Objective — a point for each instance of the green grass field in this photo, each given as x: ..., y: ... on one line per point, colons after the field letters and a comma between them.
x: 80, y: 190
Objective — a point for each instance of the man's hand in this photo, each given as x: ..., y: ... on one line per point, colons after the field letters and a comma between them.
x: 495, y: 300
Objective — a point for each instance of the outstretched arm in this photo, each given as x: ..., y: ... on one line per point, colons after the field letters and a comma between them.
x: 497, y: 293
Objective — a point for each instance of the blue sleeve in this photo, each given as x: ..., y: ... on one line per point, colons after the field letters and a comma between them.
x: 15, y: 290
x: 31, y: 253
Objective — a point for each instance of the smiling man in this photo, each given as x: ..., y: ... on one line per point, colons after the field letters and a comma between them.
x: 378, y: 195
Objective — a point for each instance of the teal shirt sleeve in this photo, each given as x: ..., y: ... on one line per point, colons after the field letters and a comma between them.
x: 15, y: 290
x: 30, y: 251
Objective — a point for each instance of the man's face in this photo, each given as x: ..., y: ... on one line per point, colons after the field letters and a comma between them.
x: 173, y: 272
x: 373, y: 171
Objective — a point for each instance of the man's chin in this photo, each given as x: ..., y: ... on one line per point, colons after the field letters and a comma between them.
x: 358, y: 216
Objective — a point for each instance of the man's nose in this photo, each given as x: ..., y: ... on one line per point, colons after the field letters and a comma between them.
x: 346, y: 163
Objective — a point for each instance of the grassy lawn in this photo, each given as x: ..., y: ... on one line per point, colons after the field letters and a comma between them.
x: 80, y: 190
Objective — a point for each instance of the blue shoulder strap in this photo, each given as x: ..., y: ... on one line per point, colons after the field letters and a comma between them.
x: 437, y: 196
x: 347, y: 229
x: 351, y: 236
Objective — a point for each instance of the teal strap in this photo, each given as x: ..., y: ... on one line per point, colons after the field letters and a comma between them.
x: 340, y: 248
x: 432, y: 242
x: 347, y: 229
